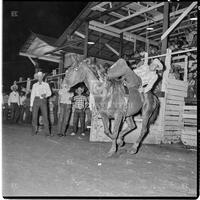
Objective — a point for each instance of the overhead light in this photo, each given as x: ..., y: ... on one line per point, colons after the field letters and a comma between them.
x: 91, y: 43
x: 193, y: 19
x: 150, y: 28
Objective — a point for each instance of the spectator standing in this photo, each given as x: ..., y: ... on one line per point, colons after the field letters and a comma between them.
x: 13, y: 103
x: 5, y: 106
x: 65, y: 98
x: 55, y: 107
x: 80, y: 104
x: 28, y: 115
x: 39, y: 94
x: 191, y: 37
x: 22, y: 98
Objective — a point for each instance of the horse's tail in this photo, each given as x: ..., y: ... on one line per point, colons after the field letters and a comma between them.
x: 156, y: 110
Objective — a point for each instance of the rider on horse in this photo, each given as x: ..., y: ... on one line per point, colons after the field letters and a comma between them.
x: 148, y: 73
x: 144, y: 75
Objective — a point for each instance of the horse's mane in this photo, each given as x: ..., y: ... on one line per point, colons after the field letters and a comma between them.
x: 93, y: 68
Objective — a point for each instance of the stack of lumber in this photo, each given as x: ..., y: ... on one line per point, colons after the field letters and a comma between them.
x: 189, y: 133
x: 174, y: 102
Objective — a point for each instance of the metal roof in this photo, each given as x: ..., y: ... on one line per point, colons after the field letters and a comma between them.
x: 108, y: 19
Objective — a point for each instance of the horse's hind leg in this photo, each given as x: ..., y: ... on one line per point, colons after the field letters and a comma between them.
x: 118, y: 119
x: 131, y: 126
x: 105, y: 121
x: 146, y: 114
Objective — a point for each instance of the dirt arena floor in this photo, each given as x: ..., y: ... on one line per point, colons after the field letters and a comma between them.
x: 73, y: 166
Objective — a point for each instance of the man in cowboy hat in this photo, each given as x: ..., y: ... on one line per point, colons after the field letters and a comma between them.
x: 39, y: 94
x: 13, y: 102
x: 80, y: 104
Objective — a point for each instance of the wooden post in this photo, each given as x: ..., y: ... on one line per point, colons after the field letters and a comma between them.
x: 186, y: 69
x: 61, y: 64
x: 36, y: 66
x: 135, y: 43
x: 86, y: 39
x: 165, y: 27
x: 121, y: 46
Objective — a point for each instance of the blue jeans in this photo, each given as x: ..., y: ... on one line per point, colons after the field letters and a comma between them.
x: 14, y: 112
x: 42, y: 105
x: 64, y: 116
x: 79, y: 114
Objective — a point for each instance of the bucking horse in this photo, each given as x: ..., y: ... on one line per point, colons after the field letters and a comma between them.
x: 113, y: 102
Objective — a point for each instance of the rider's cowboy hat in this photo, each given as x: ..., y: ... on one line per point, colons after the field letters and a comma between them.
x: 38, y: 74
x: 14, y: 86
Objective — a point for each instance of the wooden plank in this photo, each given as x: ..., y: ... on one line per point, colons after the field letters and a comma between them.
x: 121, y: 46
x: 86, y: 39
x: 116, y: 7
x: 177, y: 82
x: 135, y: 14
x: 155, y: 19
x: 192, y: 112
x: 190, y: 120
x: 172, y: 128
x: 126, y: 36
x: 112, y: 49
x: 190, y: 107
x: 176, y: 98
x: 189, y: 116
x: 177, y: 87
x: 178, y: 20
x: 175, y: 123
x: 172, y: 107
x: 165, y: 27
x: 173, y: 102
x: 190, y: 129
x: 168, y: 113
x: 173, y: 132
x: 172, y: 118
x: 177, y: 93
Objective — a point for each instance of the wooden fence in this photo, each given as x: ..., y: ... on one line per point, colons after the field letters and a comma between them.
x: 189, y: 131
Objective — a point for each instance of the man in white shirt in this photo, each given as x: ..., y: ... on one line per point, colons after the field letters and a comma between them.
x: 65, y: 108
x: 39, y: 94
x: 13, y: 103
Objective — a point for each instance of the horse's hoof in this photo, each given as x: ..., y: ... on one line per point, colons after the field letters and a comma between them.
x: 132, y: 151
x: 120, y: 143
x: 110, y: 154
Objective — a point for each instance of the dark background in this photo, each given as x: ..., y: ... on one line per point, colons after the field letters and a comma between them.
x: 49, y: 18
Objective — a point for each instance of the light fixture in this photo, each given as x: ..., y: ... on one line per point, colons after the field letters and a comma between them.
x: 193, y: 19
x: 91, y: 43
x: 149, y: 28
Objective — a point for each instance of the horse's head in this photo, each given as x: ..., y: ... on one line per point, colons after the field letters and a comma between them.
x: 118, y: 69
x: 75, y: 74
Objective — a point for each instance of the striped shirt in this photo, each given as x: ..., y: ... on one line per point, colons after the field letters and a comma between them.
x: 80, y: 102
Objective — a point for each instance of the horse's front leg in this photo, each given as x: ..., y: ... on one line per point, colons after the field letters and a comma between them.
x: 131, y: 126
x: 118, y: 119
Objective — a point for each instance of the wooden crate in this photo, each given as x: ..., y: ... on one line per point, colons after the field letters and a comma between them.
x: 189, y: 132
x: 176, y: 90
